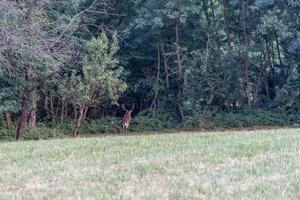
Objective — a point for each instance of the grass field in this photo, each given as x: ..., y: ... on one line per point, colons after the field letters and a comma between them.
x: 219, y: 165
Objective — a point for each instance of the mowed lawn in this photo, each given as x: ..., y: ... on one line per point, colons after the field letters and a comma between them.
x: 219, y: 165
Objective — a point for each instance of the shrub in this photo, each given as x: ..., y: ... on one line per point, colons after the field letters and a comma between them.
x: 42, y: 132
x: 255, y: 117
x: 153, y: 123
x: 66, y: 127
x: 7, y: 134
x: 194, y: 121
x: 103, y: 125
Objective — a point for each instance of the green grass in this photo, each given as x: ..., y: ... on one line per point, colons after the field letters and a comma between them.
x: 219, y: 165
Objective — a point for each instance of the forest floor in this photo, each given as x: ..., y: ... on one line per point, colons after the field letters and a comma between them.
x: 261, y: 164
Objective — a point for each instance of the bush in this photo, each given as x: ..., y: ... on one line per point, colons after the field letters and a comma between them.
x: 42, y: 132
x: 37, y: 133
x: 114, y: 125
x: 66, y: 127
x: 7, y: 134
x: 103, y: 125
x: 193, y: 121
x: 153, y: 123
x: 255, y: 117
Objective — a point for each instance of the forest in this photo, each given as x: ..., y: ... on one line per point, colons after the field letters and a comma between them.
x: 75, y: 66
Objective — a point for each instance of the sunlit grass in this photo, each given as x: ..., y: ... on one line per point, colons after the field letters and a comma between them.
x: 220, y: 165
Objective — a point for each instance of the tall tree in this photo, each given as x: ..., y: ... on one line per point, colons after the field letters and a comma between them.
x: 101, y: 78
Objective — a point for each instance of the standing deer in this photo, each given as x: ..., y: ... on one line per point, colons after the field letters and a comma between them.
x: 126, y: 118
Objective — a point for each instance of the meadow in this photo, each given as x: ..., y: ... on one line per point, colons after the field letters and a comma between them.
x: 262, y: 164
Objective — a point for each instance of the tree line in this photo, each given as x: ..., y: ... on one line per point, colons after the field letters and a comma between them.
x: 181, y: 59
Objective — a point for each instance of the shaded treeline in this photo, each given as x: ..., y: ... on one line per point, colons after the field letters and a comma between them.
x: 183, y: 59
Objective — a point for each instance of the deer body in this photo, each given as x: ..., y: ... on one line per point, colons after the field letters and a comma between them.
x: 127, y: 118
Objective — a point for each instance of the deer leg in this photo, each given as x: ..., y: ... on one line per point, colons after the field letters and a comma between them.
x: 123, y: 128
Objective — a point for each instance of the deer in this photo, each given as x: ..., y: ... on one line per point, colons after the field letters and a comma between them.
x: 126, y: 118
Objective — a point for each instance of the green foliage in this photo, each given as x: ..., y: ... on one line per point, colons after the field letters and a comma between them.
x: 102, y: 125
x: 159, y: 122
x: 250, y: 118
x: 42, y: 132
x: 101, y: 77
x: 101, y: 69
x: 193, y: 121
x: 65, y: 127
x: 9, y: 94
x: 7, y: 134
x: 185, y: 57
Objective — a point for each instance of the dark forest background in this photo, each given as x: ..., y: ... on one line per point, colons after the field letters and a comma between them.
x: 68, y: 66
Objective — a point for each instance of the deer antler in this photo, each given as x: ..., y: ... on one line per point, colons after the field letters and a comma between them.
x: 132, y: 108
x: 124, y: 108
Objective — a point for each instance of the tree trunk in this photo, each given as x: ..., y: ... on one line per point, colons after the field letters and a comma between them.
x: 273, y: 54
x: 269, y: 57
x: 244, y: 14
x: 166, y: 68
x: 75, y: 110
x: 85, y: 112
x: 205, y: 6
x: 23, y: 118
x: 212, y: 12
x: 266, y: 84
x: 278, y: 50
x: 265, y: 76
x: 8, y: 119
x: 52, y: 107
x: 32, y: 117
x: 215, y: 32
x: 32, y: 111
x: 66, y: 109
x: 257, y: 87
x: 62, y: 110
x: 179, y: 66
x: 157, y: 81
x: 46, y: 107
x: 208, y: 102
x: 78, y: 122
x: 21, y: 129
x: 291, y: 67
x: 225, y: 12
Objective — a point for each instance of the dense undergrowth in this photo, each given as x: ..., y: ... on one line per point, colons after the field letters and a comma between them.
x: 141, y: 123
x: 244, y: 119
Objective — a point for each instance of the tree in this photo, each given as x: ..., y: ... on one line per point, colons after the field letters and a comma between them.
x: 100, y: 80
x: 31, y: 51
x: 186, y: 58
